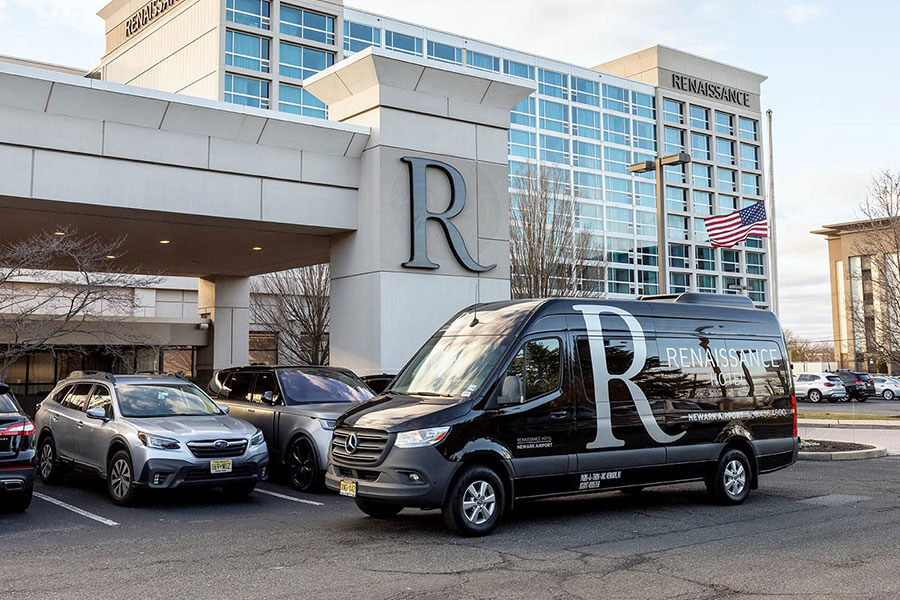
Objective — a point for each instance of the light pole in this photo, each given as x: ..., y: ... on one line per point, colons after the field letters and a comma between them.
x: 682, y: 158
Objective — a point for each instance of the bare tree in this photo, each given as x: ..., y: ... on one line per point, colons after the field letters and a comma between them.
x: 54, y: 285
x: 799, y: 349
x: 548, y: 250
x: 294, y: 305
x: 875, y: 275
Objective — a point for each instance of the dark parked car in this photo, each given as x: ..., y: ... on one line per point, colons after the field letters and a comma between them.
x: 379, y: 383
x: 295, y: 407
x: 860, y: 386
x: 16, y: 453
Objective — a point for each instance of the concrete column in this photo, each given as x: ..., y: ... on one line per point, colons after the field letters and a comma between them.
x: 384, y: 305
x: 226, y: 302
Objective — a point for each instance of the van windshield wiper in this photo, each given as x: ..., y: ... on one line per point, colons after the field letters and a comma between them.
x: 435, y: 394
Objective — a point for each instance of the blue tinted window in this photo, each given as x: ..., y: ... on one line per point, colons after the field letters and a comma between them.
x: 644, y: 105
x: 586, y: 154
x: 615, y: 129
x: 554, y: 149
x: 523, y: 113
x: 246, y: 51
x: 522, y: 143
x: 403, y: 43
x: 586, y: 91
x: 552, y: 83
x: 307, y: 24
x: 444, y: 52
x: 644, y: 135
x: 554, y: 116
x: 246, y: 91
x: 486, y: 62
x: 617, y: 160
x: 254, y: 13
x: 359, y: 37
x: 301, y: 62
x: 615, y: 98
x: 518, y: 69
x: 296, y: 100
x: 586, y: 122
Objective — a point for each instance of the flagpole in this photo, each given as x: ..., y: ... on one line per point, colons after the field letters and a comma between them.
x: 773, y: 246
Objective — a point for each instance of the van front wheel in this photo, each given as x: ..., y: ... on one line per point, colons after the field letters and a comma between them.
x: 731, y: 482
x: 475, y: 501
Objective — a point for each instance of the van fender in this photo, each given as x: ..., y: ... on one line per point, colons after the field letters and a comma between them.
x: 490, y: 453
x: 736, y: 435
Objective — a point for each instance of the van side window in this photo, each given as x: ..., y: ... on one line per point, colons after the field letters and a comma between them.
x: 761, y: 370
x: 538, y: 364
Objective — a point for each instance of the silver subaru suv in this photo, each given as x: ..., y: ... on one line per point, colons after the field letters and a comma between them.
x: 145, y: 431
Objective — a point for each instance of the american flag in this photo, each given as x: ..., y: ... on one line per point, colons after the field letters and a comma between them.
x: 727, y: 230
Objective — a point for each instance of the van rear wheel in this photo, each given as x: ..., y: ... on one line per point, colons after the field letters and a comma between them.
x: 475, y: 501
x: 731, y: 482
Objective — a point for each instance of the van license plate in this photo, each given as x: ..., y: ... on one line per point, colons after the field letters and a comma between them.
x: 348, y: 488
x: 220, y: 466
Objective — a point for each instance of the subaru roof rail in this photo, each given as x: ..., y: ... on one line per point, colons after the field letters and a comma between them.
x: 161, y: 374
x: 91, y: 374
x: 733, y: 300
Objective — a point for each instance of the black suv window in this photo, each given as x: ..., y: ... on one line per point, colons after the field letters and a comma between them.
x: 538, y: 365
x: 238, y: 386
x: 78, y: 396
x: 265, y: 382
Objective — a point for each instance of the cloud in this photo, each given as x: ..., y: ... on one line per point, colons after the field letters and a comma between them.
x: 801, y: 12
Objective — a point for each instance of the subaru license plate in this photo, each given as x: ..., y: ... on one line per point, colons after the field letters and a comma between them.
x: 220, y: 466
x: 348, y: 488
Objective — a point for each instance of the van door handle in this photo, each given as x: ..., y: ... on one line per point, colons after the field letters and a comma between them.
x: 559, y: 414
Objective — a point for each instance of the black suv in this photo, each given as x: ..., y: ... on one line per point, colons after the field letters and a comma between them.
x: 16, y: 453
x: 860, y: 386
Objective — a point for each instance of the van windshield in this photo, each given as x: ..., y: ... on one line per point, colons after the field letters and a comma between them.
x: 451, y: 366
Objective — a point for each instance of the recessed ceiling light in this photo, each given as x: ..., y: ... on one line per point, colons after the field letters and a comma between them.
x: 111, y: 256
x: 59, y: 233
x: 165, y: 242
x: 257, y: 248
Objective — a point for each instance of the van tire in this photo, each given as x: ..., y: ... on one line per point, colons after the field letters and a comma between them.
x: 376, y: 509
x: 475, y: 502
x: 49, y: 470
x: 731, y: 482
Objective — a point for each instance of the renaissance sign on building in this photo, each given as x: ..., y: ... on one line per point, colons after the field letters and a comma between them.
x: 686, y: 83
x: 147, y: 14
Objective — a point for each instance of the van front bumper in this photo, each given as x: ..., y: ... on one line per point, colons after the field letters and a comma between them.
x: 394, y: 480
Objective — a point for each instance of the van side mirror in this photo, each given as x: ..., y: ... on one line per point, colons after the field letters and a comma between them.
x: 512, y: 391
x: 269, y: 397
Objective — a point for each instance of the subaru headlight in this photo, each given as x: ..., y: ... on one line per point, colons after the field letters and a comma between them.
x: 421, y: 437
x: 159, y: 442
x: 257, y: 438
x: 327, y: 424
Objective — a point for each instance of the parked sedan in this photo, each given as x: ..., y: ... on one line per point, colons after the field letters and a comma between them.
x: 886, y: 387
x: 295, y: 407
x: 817, y: 386
x: 148, y: 431
x: 16, y: 453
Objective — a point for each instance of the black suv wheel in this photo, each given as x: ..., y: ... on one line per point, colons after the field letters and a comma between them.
x: 475, y: 502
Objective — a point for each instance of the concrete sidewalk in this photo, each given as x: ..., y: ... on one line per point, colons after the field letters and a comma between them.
x: 888, y: 438
x: 852, y: 423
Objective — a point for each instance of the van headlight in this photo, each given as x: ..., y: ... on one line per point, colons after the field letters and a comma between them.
x: 257, y: 439
x: 327, y: 424
x: 158, y: 442
x: 421, y: 437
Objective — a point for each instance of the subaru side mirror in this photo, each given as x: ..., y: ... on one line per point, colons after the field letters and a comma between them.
x: 98, y: 413
x: 512, y: 391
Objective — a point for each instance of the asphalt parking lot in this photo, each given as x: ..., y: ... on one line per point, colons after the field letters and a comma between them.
x: 816, y: 530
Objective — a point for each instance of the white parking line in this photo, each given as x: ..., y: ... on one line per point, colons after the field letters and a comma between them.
x: 291, y: 498
x: 76, y: 510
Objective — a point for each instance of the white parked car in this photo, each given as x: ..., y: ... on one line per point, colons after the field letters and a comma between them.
x: 818, y: 386
x: 886, y: 387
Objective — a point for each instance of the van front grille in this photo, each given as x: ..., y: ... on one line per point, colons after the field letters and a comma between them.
x: 369, y: 449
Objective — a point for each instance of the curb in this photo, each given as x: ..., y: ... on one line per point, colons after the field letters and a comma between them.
x: 848, y: 424
x: 873, y: 452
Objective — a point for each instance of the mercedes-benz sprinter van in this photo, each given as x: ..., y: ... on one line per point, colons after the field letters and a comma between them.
x: 529, y: 399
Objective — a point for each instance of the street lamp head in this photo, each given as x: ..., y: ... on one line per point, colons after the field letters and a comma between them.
x: 645, y: 166
x: 675, y: 159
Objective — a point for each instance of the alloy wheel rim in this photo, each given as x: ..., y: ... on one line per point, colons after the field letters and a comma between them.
x: 46, y: 460
x: 302, y: 467
x: 735, y: 478
x: 120, y: 478
x: 479, y: 502
x: 814, y: 397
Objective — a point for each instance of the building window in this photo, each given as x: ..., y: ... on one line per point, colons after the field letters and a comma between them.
x: 551, y: 83
x: 554, y: 116
x: 750, y: 184
x: 755, y: 264
x: 679, y: 283
x: 554, y: 149
x: 706, y: 258
x: 246, y: 91
x: 701, y: 175
x: 296, y: 100
x: 619, y: 220
x: 615, y: 129
x: 255, y: 13
x: 589, y: 216
x: 403, y: 43
x: 674, y: 140
x: 645, y: 194
x: 585, y: 91
x: 517, y: 69
x: 727, y: 180
x: 301, y: 62
x: 753, y: 242
x: 522, y: 143
x: 263, y: 348
x: 617, y: 160
x: 749, y: 157
x: 615, y: 98
x: 675, y: 174
x: 700, y: 146
x: 700, y: 233
x: 731, y: 261
x: 359, y: 37
x: 731, y: 285
x: 676, y: 199
x: 677, y: 227
x: 620, y: 250
x: 524, y: 113
x: 484, y: 62
x: 444, y: 53
x: 648, y: 282
x: 643, y: 105
x: 757, y: 289
x: 724, y: 123
x: 307, y: 24
x: 699, y: 117
x: 707, y: 284
x: 679, y: 256
x: 645, y: 225
x: 588, y: 185
x: 673, y: 111
x: 618, y: 190
x: 724, y: 151
x: 620, y: 281
x: 703, y: 203
x: 246, y: 51
x: 644, y: 136
x: 585, y: 123
x: 727, y: 204
x: 749, y: 129
x: 586, y: 154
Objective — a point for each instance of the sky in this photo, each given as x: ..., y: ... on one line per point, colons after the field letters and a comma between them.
x: 832, y: 84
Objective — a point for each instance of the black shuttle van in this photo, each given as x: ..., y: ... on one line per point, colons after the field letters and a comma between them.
x: 519, y: 400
